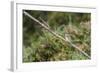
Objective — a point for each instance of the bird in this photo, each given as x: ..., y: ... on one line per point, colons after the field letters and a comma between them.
x: 67, y: 37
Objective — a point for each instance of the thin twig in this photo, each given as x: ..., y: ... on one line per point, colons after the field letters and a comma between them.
x: 44, y: 22
x: 57, y: 35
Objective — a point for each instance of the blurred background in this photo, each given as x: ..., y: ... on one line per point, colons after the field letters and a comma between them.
x: 41, y: 45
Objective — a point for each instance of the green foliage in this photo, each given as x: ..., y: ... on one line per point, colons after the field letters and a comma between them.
x: 40, y: 45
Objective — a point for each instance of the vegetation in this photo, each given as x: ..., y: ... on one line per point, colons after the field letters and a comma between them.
x: 41, y: 45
